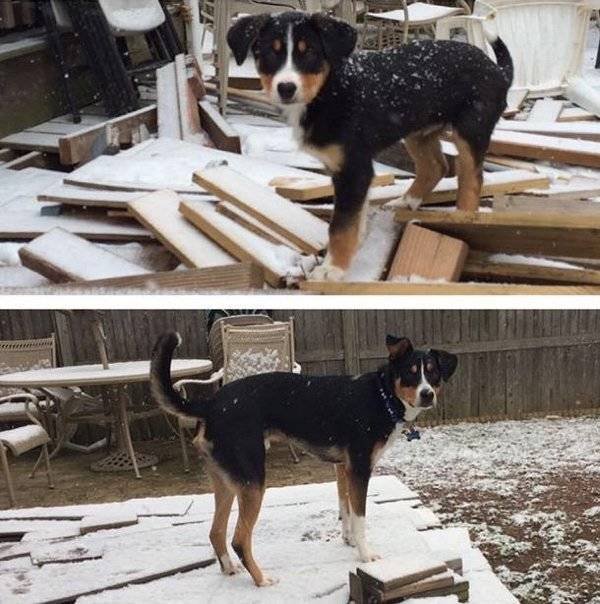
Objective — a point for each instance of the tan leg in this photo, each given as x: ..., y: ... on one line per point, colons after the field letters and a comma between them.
x: 249, y: 501
x: 357, y: 490
x: 7, y: 478
x: 430, y: 165
x: 184, y: 451
x: 470, y: 176
x: 224, y: 497
x: 344, y: 502
x: 48, y: 468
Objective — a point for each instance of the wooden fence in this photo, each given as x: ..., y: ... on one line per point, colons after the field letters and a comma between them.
x: 512, y: 363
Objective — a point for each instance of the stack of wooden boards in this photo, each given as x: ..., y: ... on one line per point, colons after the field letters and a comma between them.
x: 404, y: 577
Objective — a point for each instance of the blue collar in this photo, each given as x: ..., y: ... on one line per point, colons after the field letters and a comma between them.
x: 393, y: 405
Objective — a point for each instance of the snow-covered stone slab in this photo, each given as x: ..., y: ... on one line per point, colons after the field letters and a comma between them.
x: 104, y: 522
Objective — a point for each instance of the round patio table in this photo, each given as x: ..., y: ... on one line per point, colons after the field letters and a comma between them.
x: 118, y: 375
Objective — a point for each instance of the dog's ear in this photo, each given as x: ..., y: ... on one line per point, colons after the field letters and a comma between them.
x: 338, y: 38
x: 243, y: 35
x: 446, y: 361
x: 398, y: 347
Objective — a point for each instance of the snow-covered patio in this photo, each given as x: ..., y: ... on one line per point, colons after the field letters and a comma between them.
x: 297, y: 540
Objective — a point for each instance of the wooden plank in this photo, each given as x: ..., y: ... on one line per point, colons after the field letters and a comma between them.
x: 514, y: 101
x: 309, y: 233
x: 546, y: 110
x: 252, y: 224
x: 169, y: 123
x: 589, y: 131
x: 7, y: 155
x: 576, y: 114
x: 32, y: 141
x: 494, y: 183
x: 535, y: 146
x: 144, y: 576
x: 64, y: 553
x: 61, y: 257
x: 90, y: 198
x: 301, y: 189
x: 33, y: 159
x: 159, y: 213
x: 189, y: 117
x: 479, y: 266
x: 391, y: 288
x: 77, y: 147
x: 92, y: 524
x: 545, y: 234
x: 115, y: 185
x: 242, y: 277
x: 428, y: 255
x: 534, y: 203
x: 239, y: 242
x: 224, y: 136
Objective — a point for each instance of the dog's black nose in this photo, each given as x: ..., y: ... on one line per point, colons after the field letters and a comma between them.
x: 427, y: 396
x: 287, y: 90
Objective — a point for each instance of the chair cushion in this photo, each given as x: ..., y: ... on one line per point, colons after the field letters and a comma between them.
x: 15, y: 412
x: 23, y: 439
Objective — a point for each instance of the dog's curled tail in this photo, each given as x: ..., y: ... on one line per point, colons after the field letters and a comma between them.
x: 503, y: 57
x: 160, y: 379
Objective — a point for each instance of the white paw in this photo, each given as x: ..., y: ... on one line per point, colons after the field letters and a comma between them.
x: 408, y: 201
x: 268, y: 581
x: 228, y: 567
x: 327, y: 272
x: 348, y: 538
x: 369, y: 556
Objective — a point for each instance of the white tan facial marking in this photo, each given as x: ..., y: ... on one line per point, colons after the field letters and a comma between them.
x: 288, y: 74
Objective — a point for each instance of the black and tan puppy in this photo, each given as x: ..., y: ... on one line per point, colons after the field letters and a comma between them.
x: 346, y: 420
x: 348, y: 107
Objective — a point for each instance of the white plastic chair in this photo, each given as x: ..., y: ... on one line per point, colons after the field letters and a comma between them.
x: 546, y: 39
x: 131, y: 17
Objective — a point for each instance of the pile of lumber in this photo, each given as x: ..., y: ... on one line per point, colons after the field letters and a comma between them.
x: 409, y: 576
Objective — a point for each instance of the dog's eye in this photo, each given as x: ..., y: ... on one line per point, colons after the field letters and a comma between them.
x: 414, y: 369
x: 302, y: 46
x: 430, y: 367
x: 277, y: 45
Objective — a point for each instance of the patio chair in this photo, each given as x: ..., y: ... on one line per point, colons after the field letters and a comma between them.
x: 21, y: 440
x: 393, y: 20
x: 251, y: 350
x: 546, y: 39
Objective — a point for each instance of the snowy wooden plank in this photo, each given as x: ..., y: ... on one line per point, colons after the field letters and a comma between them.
x: 308, y: 232
x: 29, y: 160
x: 437, y: 585
x: 400, y: 570
x: 392, y: 288
x: 242, y: 277
x: 576, y: 114
x: 514, y: 101
x: 222, y: 134
x: 553, y: 203
x: 32, y: 141
x: 189, y: 117
x: 535, y: 146
x: 252, y: 224
x: 494, y: 183
x: 168, y: 106
x: 116, y: 185
x: 77, y: 147
x: 546, y: 234
x: 61, y: 257
x: 429, y: 255
x: 589, y: 131
x: 238, y: 241
x: 58, y: 553
x: 317, y: 187
x: 20, y: 276
x: 546, y: 110
x: 105, y: 522
x: 159, y: 213
x: 521, y: 269
x: 92, y: 198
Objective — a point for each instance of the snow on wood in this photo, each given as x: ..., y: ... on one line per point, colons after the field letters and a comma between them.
x: 558, y: 203
x: 168, y: 103
x: 221, y: 133
x: 105, y: 522
x: 576, y: 130
x: 428, y: 254
x: 27, y: 182
x: 576, y: 114
x: 90, y: 198
x: 546, y: 110
x: 308, y: 232
x: 189, y: 118
x: 494, y: 183
x: 277, y: 261
x: 514, y: 101
x: 61, y: 257
x: 400, y: 570
x: 316, y: 187
x: 535, y: 146
x: 42, y: 553
x: 159, y: 213
x: 19, y: 276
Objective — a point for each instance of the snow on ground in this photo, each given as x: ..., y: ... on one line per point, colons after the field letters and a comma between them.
x: 528, y: 492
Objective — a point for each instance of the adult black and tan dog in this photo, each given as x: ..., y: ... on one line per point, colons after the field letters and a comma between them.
x: 340, y: 419
x: 347, y: 107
